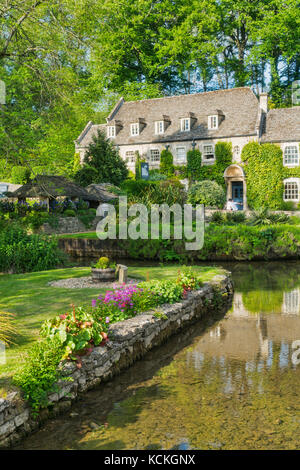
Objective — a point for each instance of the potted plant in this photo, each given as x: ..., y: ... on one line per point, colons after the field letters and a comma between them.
x: 103, y: 270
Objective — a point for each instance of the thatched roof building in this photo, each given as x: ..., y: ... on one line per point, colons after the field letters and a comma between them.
x: 101, y: 191
x: 51, y: 187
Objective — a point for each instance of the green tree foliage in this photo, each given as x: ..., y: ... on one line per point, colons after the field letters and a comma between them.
x: 102, y: 163
x: 20, y: 174
x: 166, y: 163
x: 208, y: 193
x: 65, y: 63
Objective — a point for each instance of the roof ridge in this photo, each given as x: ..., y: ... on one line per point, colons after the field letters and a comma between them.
x: 192, y: 94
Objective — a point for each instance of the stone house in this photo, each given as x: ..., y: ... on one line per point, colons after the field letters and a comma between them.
x: 200, y: 120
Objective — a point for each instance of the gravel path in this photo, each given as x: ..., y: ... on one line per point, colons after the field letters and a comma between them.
x: 86, y: 282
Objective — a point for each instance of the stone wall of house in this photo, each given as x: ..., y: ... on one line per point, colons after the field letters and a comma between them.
x: 129, y: 341
x: 145, y: 149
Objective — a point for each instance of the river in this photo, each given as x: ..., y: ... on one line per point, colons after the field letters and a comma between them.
x: 232, y: 383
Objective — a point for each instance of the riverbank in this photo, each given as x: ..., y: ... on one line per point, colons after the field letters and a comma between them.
x: 130, y: 340
x: 221, y: 243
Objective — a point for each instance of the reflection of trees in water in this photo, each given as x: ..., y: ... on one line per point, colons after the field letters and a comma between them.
x: 265, y: 276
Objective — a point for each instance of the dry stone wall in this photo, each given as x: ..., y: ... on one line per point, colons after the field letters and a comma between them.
x: 129, y: 341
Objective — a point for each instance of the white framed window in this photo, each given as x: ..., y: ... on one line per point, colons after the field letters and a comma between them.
x: 181, y: 155
x: 159, y: 127
x: 208, y: 152
x: 185, y: 124
x: 154, y: 156
x: 111, y: 131
x: 130, y: 156
x: 213, y: 122
x: 291, y: 155
x: 134, y: 128
x: 291, y: 189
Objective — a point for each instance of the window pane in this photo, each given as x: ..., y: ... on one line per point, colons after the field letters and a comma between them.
x: 291, y: 156
x: 130, y: 156
x: 291, y: 191
x: 154, y: 155
x: 135, y: 129
x: 208, y: 152
x: 180, y: 154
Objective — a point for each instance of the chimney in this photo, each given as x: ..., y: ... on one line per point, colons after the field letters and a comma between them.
x: 263, y: 102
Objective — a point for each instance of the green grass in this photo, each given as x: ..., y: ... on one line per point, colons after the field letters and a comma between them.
x: 92, y: 235
x: 31, y: 301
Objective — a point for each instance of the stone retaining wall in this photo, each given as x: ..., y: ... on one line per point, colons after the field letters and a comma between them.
x: 69, y: 225
x: 129, y: 341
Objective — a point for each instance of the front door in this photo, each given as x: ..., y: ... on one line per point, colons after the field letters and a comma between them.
x: 237, y: 194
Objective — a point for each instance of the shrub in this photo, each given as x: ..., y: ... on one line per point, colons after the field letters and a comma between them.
x: 166, y: 292
x: 154, y: 175
x: 218, y: 218
x: 69, y: 213
x: 20, y: 252
x: 208, y: 193
x: 188, y: 279
x: 102, y: 163
x: 193, y: 163
x: 40, y: 373
x: 76, y: 331
x: 104, y: 263
x: 235, y: 217
x: 20, y: 174
x: 166, y: 163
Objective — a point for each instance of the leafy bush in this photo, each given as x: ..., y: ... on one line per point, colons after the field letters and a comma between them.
x: 104, y: 263
x: 188, y: 279
x: 218, y: 218
x: 193, y: 163
x: 154, y: 175
x: 76, y: 332
x: 166, y: 163
x: 40, y: 373
x: 69, y: 213
x: 20, y: 174
x: 102, y: 163
x: 166, y: 292
x: 20, y: 252
x: 208, y: 193
x: 264, y: 217
x: 237, y: 217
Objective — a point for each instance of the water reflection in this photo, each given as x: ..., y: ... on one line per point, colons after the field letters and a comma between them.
x: 227, y: 385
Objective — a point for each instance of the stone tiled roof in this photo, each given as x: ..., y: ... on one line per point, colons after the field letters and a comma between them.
x: 282, y: 125
x: 238, y: 105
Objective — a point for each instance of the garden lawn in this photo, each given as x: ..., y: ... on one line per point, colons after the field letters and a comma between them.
x: 32, y: 300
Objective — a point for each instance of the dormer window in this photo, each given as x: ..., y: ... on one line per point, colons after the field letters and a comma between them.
x: 159, y: 127
x: 134, y: 128
x: 111, y: 131
x: 213, y: 122
x: 185, y: 124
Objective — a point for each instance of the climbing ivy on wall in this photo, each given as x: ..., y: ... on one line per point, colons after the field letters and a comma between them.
x: 223, y: 153
x: 264, y: 170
